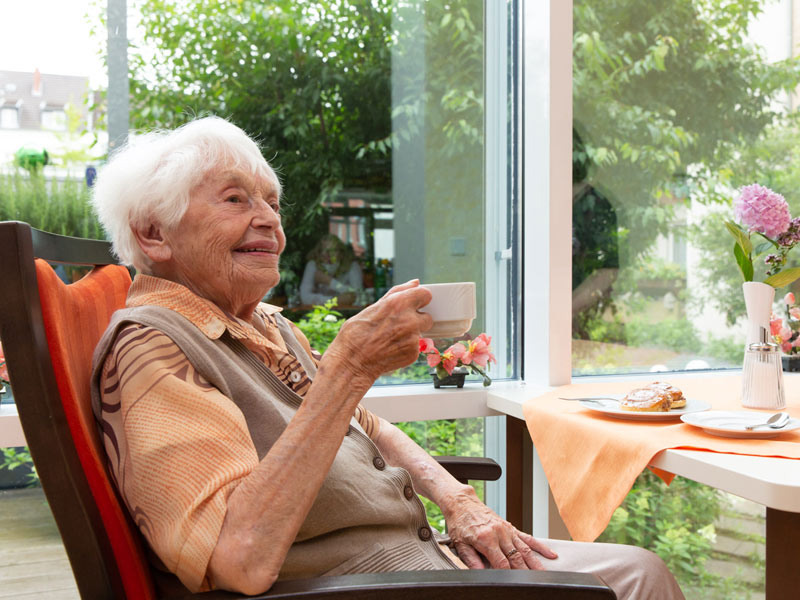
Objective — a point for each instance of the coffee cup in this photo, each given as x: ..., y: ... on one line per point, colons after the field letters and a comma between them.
x: 452, y: 308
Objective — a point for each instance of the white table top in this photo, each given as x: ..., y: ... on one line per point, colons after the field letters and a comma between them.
x: 773, y: 482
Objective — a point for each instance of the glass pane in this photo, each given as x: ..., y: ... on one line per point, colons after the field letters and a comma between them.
x: 677, y: 105
x: 374, y: 114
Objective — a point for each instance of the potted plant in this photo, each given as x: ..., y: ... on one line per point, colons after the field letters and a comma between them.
x: 451, y: 366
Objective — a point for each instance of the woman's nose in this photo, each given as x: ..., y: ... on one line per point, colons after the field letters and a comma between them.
x: 265, y: 215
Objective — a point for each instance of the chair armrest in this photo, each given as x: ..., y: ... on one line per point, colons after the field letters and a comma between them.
x: 434, y: 585
x: 464, y: 468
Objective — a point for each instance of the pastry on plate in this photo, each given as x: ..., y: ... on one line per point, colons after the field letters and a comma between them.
x: 677, y: 399
x: 646, y: 400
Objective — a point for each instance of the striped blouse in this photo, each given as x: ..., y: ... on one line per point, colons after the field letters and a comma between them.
x: 181, y: 445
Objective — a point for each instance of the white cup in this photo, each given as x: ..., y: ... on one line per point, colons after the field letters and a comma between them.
x: 452, y: 308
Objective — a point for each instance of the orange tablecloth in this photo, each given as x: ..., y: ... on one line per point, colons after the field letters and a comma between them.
x: 592, y: 460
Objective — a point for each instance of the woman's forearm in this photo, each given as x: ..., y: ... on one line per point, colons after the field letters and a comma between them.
x: 268, y: 507
x: 430, y: 478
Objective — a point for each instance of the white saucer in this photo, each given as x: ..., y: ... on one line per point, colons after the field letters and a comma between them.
x: 612, y: 409
x: 731, y: 423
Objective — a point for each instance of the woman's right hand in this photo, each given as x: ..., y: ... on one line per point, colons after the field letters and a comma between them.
x: 384, y: 336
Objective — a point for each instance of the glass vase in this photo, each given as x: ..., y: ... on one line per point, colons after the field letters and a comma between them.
x: 758, y: 299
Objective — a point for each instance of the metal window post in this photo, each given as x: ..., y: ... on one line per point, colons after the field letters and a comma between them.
x: 118, y: 87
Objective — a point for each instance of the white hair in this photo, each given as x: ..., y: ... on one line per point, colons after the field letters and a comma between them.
x: 149, y: 180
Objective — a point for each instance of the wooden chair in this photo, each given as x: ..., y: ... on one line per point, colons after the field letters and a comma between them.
x: 49, y: 330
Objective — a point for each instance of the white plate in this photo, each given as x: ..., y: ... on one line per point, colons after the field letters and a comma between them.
x: 612, y: 409
x: 731, y: 423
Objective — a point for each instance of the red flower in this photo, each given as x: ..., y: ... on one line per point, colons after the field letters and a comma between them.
x: 3, y: 367
x: 478, y: 351
x: 452, y: 357
x: 426, y: 346
x: 434, y: 358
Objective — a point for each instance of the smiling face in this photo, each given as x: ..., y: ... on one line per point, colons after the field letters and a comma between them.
x: 226, y: 246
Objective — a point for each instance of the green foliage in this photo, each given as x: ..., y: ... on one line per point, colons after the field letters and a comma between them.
x: 675, y: 334
x: 726, y: 349
x: 675, y: 522
x: 656, y: 269
x: 321, y: 325
x: 661, y: 113
x: 60, y: 207
x: 417, y: 372
x: 314, y: 83
x: 13, y: 458
x: 309, y: 80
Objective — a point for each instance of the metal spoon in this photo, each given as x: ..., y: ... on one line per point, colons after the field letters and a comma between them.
x: 776, y: 421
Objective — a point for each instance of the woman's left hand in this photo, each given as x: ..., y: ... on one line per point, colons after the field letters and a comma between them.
x: 477, y: 531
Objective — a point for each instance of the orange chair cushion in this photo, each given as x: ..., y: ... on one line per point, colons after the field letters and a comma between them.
x: 75, y: 317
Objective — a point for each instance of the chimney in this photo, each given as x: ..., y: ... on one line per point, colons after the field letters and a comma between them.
x: 37, y: 83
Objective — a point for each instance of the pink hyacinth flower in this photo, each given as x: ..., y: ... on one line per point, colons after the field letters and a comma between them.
x: 433, y: 358
x: 785, y: 333
x: 788, y: 299
x: 426, y: 345
x: 760, y: 209
x: 786, y: 347
x: 794, y: 312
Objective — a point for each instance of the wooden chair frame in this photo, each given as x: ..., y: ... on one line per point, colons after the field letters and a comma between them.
x: 74, y: 508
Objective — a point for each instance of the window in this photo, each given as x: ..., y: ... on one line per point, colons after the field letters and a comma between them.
x: 54, y: 119
x: 385, y: 139
x: 9, y: 117
x: 663, y: 138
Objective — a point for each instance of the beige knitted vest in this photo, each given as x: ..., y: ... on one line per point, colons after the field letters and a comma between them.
x: 365, y: 518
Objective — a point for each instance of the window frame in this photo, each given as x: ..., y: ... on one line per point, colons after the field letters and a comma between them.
x: 544, y: 186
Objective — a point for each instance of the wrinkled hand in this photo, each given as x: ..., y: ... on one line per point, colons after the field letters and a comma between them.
x: 384, y: 336
x: 477, y: 532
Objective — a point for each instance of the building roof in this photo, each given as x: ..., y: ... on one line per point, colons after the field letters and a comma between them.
x: 33, y: 93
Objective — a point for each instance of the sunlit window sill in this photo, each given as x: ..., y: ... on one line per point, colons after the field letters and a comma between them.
x: 421, y: 402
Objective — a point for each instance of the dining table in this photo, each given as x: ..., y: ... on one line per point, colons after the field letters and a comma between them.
x: 572, y: 463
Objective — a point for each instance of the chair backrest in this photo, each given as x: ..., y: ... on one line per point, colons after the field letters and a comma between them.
x: 49, y: 330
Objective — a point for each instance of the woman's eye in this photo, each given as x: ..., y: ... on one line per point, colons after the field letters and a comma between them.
x: 234, y: 199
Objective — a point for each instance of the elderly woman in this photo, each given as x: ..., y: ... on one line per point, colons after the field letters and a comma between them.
x: 243, y: 456
x: 332, y: 271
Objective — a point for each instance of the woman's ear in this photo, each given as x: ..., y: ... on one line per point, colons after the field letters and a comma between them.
x: 153, y: 243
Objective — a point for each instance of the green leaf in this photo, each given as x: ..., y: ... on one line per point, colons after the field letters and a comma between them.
x: 783, y: 278
x: 762, y: 247
x: 741, y: 237
x: 744, y: 262
x: 767, y: 240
